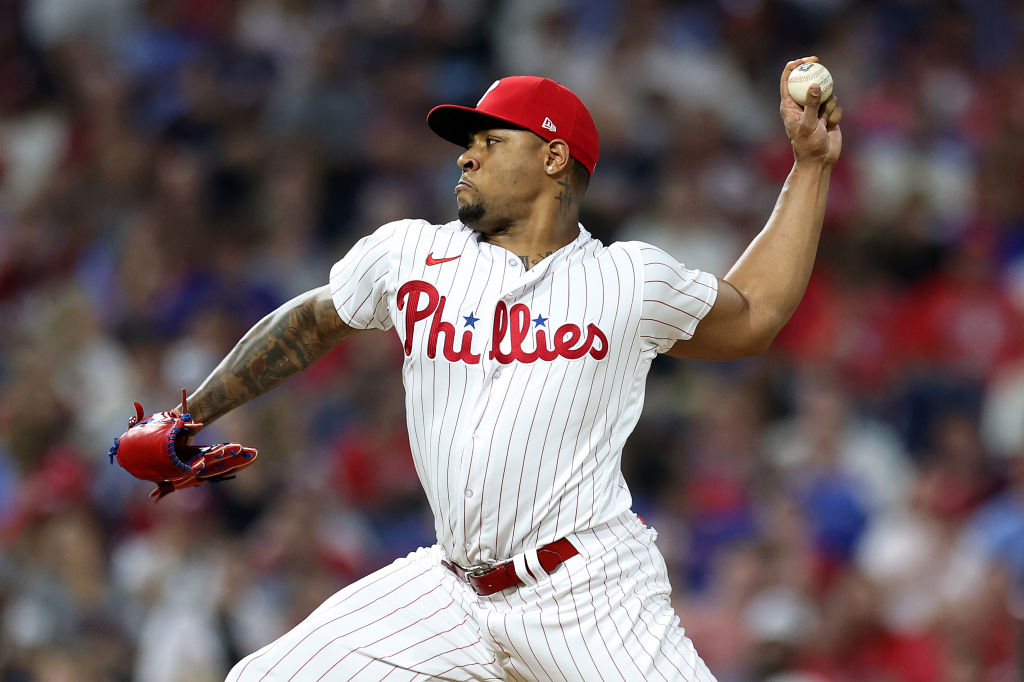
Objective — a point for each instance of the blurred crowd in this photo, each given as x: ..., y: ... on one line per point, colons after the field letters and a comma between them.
x: 847, y: 507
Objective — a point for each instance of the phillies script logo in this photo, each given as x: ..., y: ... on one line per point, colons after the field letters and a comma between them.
x: 513, y: 323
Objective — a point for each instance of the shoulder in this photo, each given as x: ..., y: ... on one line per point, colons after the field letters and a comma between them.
x: 657, y: 261
x: 642, y: 251
x: 640, y: 255
x: 410, y: 225
x: 411, y: 230
x: 400, y: 236
x: 422, y: 225
x: 595, y: 254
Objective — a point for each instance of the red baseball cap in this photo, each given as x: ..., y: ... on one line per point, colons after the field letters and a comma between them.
x: 539, y: 105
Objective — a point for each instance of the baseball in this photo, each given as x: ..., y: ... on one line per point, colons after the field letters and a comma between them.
x: 805, y: 74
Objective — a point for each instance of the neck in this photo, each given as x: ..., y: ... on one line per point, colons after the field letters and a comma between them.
x: 550, y: 226
x: 534, y: 241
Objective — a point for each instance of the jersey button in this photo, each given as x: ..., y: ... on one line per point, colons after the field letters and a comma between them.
x: 512, y: 262
x: 497, y: 373
x: 468, y: 546
x: 469, y: 492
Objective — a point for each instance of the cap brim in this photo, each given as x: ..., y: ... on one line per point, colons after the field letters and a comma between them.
x: 456, y: 124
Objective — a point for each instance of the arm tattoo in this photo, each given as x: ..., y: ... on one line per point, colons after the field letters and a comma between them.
x: 530, y: 261
x: 287, y: 348
x: 283, y: 343
x: 565, y: 197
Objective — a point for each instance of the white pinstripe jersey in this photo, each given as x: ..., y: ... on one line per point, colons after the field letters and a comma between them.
x: 521, y: 385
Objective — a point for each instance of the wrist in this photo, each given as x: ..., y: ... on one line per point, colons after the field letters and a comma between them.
x: 815, y: 164
x: 808, y: 174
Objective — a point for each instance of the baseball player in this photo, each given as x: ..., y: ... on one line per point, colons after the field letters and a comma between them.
x: 527, y: 344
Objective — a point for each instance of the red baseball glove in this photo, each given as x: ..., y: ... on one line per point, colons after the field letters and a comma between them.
x: 155, y: 448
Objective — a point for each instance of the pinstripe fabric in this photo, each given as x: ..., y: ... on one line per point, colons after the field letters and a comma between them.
x: 516, y: 443
x: 521, y: 388
x: 603, y: 615
x: 399, y: 623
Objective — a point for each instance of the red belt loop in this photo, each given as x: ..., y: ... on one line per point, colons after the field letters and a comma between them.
x: 503, y: 575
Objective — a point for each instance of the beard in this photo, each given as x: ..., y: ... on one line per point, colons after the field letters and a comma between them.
x: 488, y: 223
x: 472, y: 214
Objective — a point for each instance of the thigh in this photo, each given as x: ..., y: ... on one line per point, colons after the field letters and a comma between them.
x: 605, y: 614
x: 400, y: 623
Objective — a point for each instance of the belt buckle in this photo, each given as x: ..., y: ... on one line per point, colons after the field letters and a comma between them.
x: 481, y: 569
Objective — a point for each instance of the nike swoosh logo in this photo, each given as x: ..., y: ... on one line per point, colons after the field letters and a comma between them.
x: 437, y: 261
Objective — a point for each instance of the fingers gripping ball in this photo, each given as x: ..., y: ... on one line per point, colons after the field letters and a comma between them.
x: 155, y: 448
x: 803, y: 76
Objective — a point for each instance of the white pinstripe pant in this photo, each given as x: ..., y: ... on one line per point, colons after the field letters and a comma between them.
x: 603, y: 615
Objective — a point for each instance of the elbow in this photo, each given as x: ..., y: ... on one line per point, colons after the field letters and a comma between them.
x: 757, y: 341
x: 751, y: 347
x: 731, y: 337
x: 758, y: 347
x: 735, y: 347
x: 748, y: 325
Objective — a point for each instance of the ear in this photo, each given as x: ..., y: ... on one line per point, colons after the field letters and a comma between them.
x: 556, y: 158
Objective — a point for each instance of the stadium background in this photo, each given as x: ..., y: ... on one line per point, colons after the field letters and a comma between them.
x: 849, y: 506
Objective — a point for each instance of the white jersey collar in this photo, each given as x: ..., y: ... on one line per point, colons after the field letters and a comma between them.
x: 558, y: 256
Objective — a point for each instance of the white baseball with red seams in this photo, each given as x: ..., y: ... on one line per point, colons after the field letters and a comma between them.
x: 521, y: 389
x: 803, y: 76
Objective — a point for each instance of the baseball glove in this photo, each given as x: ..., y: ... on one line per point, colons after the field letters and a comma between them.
x: 156, y: 448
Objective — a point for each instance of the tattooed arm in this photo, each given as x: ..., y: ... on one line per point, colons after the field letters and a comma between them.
x: 286, y: 341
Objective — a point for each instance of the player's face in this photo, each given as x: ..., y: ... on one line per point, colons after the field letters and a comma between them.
x: 502, y: 174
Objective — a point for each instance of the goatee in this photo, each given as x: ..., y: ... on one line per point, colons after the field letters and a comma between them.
x: 471, y: 214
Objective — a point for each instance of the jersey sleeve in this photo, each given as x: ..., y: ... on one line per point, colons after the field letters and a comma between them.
x: 359, y: 281
x: 676, y: 298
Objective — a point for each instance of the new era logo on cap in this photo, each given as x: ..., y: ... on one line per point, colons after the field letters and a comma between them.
x: 493, y: 85
x: 525, y: 102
